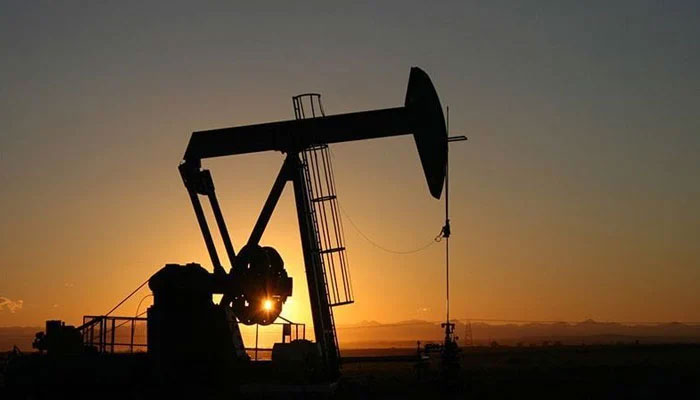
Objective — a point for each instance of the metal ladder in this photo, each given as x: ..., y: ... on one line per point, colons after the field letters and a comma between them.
x: 329, y: 240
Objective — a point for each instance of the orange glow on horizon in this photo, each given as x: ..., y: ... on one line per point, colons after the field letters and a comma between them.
x: 566, y: 203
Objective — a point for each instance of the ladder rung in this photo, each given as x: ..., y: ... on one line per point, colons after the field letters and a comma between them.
x: 317, y: 147
x: 333, y: 250
x: 324, y: 198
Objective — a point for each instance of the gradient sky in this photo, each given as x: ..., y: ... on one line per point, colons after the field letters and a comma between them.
x: 577, y: 195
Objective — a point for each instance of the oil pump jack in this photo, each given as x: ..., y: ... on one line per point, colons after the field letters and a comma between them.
x: 186, y: 330
x: 256, y: 286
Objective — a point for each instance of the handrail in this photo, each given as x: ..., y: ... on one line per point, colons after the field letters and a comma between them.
x: 105, y: 343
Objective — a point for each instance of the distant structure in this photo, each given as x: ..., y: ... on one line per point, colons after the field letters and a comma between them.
x: 468, y: 339
x: 450, y: 349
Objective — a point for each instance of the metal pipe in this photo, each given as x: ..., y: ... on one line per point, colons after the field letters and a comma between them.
x: 204, y: 227
x: 113, y: 333
x: 202, y: 220
x: 131, y: 341
x: 270, y: 203
x: 221, y: 223
x: 256, y: 341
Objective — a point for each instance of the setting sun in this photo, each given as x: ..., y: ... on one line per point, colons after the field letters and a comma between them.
x: 267, y: 305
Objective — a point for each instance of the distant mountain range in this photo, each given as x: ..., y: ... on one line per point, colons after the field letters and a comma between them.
x: 406, y: 333
x: 373, y: 334
x: 21, y: 337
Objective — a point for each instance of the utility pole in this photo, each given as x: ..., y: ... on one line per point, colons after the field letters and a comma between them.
x: 450, y: 363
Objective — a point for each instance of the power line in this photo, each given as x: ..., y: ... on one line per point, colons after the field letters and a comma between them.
x: 141, y: 301
x: 375, y: 244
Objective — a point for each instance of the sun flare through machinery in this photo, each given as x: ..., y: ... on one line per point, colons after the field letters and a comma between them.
x: 186, y: 330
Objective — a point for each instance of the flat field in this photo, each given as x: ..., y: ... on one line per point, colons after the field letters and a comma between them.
x: 606, y: 371
x: 625, y: 371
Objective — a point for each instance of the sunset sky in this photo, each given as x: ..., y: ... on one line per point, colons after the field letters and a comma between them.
x: 577, y: 195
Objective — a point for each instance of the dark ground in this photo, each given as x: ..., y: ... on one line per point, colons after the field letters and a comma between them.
x: 608, y: 372
x: 627, y: 371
